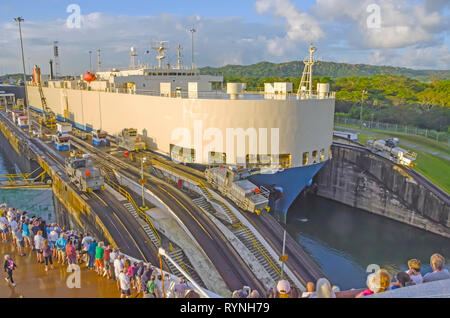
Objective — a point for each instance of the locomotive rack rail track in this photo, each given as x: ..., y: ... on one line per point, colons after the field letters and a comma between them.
x: 227, y: 261
x: 246, y: 236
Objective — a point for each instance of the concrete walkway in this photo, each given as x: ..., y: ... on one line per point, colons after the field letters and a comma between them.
x: 33, y: 282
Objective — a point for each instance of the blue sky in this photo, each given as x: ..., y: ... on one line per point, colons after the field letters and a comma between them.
x: 410, y: 33
x: 52, y: 9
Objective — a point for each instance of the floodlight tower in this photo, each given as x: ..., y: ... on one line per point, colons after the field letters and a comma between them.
x: 99, y: 63
x: 56, y: 59
x: 19, y: 20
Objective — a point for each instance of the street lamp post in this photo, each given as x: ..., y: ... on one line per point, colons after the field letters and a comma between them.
x: 19, y: 20
x: 361, y: 112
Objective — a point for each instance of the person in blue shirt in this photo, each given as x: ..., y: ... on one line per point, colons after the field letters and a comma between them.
x: 61, y: 247
x: 403, y: 280
x: 91, y: 252
x: 26, y: 234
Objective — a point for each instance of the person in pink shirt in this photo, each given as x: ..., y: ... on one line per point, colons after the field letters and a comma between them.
x: 71, y: 253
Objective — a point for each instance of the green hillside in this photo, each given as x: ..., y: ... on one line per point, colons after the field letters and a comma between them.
x: 331, y: 69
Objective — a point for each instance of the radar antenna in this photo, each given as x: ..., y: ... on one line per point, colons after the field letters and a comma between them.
x: 161, y: 47
x: 305, y: 89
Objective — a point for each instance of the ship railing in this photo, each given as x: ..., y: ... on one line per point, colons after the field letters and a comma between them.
x: 214, y: 94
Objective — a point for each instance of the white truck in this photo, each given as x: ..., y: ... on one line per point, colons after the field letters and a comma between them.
x: 64, y: 128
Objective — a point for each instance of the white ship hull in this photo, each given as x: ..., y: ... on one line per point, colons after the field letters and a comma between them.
x: 305, y: 126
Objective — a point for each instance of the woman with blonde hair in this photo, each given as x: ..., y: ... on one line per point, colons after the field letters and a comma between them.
x: 324, y: 289
x: 377, y: 283
x: 414, y: 271
x: 38, y: 241
x: 47, y: 253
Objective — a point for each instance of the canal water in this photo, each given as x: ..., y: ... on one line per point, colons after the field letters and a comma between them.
x: 37, y: 202
x: 344, y: 241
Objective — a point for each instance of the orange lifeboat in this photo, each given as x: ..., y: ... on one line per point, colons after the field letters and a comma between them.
x: 89, y: 77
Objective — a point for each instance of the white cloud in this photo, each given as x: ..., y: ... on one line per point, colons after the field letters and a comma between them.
x: 413, y: 34
x: 300, y: 27
x: 429, y: 57
x: 403, y: 23
x: 218, y: 41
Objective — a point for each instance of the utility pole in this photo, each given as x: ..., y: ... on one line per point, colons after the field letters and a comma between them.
x: 192, y: 32
x: 19, y: 20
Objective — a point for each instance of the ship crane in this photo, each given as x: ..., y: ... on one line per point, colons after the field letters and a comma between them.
x: 48, y: 118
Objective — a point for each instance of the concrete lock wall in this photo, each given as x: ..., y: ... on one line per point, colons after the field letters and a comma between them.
x: 16, y: 151
x: 363, y: 180
x: 71, y: 210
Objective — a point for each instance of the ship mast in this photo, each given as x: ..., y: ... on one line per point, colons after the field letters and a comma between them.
x: 179, y: 57
x: 133, y: 57
x: 306, y: 84
x: 161, y: 48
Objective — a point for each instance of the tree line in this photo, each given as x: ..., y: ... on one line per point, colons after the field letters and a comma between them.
x: 386, y: 98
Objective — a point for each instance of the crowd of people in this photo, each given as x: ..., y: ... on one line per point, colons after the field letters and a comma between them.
x: 377, y: 282
x: 55, y: 245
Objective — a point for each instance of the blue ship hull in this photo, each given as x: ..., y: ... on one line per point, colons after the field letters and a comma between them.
x: 290, y: 184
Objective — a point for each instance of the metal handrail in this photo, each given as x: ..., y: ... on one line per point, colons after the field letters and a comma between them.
x: 130, y: 199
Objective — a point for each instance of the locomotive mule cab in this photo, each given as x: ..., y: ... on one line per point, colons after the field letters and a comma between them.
x: 84, y: 174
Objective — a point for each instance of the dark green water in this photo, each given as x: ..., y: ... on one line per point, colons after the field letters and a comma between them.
x: 36, y: 202
x: 345, y: 240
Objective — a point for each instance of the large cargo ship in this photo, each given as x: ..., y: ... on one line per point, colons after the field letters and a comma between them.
x: 285, y: 137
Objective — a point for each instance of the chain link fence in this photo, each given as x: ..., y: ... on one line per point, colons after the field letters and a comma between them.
x: 411, y: 130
